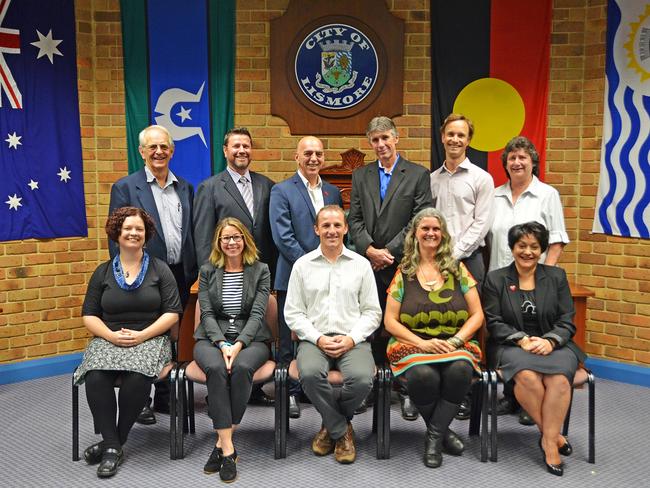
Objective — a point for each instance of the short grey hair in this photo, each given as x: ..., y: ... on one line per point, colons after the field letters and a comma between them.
x: 381, y: 124
x: 143, y: 134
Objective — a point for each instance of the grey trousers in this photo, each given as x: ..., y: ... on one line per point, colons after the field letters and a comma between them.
x: 229, y: 393
x: 357, y: 368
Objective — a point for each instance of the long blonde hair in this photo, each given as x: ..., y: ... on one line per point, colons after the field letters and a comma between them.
x: 249, y: 254
x: 443, y: 258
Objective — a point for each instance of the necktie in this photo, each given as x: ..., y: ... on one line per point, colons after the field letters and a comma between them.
x: 247, y: 194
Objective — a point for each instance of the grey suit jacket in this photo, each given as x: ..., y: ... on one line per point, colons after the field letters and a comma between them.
x: 384, y: 224
x: 218, y: 197
x: 255, y: 297
x: 502, y: 305
x: 134, y: 191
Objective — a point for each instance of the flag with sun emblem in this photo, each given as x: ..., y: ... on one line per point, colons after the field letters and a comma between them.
x: 41, y: 188
x: 623, y: 201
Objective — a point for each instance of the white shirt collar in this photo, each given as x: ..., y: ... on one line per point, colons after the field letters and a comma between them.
x: 305, y: 181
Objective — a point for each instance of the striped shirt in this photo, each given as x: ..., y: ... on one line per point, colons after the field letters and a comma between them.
x: 232, y: 288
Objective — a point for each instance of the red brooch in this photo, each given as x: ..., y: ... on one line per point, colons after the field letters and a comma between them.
x: 513, y: 288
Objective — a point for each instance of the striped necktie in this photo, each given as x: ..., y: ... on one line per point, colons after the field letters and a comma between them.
x: 247, y: 194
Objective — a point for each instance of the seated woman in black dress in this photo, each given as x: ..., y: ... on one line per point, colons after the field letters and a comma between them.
x: 130, y: 305
x: 433, y: 310
x: 232, y: 338
x: 529, y: 313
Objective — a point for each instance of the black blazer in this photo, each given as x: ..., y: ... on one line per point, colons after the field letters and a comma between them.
x: 255, y: 297
x: 134, y: 191
x: 218, y: 197
x: 384, y: 224
x: 502, y: 306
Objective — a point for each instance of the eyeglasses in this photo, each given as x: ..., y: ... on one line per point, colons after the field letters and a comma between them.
x: 155, y: 147
x: 236, y: 237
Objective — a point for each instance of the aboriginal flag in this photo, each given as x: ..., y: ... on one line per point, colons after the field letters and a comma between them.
x: 179, y: 62
x: 490, y: 61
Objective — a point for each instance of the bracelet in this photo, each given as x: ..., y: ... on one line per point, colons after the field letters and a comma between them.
x: 225, y: 343
x: 552, y: 343
x: 456, y: 342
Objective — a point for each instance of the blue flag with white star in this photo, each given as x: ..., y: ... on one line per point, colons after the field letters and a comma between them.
x: 41, y: 184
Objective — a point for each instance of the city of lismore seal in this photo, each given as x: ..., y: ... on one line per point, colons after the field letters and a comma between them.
x: 336, y: 66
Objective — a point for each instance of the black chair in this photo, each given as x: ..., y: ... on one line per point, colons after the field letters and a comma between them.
x: 290, y: 372
x: 169, y: 373
x: 190, y: 373
x: 582, y: 376
x: 478, y: 422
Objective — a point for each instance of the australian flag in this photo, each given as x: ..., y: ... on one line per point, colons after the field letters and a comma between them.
x: 41, y: 179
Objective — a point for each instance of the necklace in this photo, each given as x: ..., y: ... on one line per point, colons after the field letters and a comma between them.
x: 429, y: 282
x: 127, y: 273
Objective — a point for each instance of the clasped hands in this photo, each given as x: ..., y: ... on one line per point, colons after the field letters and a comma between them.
x: 127, y: 337
x: 379, y: 258
x: 229, y: 352
x: 436, y: 346
x: 335, y: 346
x: 536, y: 345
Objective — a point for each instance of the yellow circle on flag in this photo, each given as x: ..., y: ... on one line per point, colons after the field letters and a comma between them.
x: 497, y: 110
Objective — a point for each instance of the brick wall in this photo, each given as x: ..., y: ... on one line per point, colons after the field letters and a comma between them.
x: 42, y: 282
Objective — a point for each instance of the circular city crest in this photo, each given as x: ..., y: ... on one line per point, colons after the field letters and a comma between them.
x: 336, y: 66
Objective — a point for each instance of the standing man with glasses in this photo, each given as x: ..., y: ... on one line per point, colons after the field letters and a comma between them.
x: 168, y: 199
x: 240, y: 193
x: 294, y: 205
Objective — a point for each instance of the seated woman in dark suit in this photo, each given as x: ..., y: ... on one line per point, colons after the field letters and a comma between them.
x: 232, y: 336
x: 130, y: 305
x: 529, y: 313
x: 433, y: 311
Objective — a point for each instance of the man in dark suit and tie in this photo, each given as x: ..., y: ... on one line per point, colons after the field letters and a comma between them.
x: 293, y: 208
x: 168, y: 199
x: 239, y: 193
x: 386, y: 195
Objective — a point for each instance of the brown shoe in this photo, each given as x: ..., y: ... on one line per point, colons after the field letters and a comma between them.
x: 345, y: 452
x: 322, y: 445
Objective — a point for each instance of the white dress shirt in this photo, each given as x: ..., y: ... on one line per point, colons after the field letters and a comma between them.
x: 332, y: 298
x: 465, y: 199
x: 540, y: 203
x: 315, y: 193
x: 170, y: 212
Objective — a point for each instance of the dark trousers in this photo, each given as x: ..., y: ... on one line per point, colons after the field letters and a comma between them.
x: 379, y: 339
x: 228, y: 393
x: 476, y: 266
x: 133, y: 394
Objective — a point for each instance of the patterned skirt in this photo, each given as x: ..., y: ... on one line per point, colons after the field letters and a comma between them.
x: 148, y: 358
x: 403, y: 356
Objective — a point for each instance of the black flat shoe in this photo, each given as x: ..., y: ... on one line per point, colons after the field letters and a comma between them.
x: 294, y: 407
x: 93, y: 454
x: 554, y: 469
x: 409, y: 411
x: 111, y: 459
x: 214, y: 461
x: 464, y: 410
x: 566, y: 449
x: 228, y: 472
x: 146, y: 416
x: 452, y: 444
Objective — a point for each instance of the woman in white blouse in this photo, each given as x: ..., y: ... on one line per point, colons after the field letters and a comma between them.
x: 522, y: 199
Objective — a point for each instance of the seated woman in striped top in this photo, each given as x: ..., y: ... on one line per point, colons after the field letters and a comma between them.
x: 232, y: 337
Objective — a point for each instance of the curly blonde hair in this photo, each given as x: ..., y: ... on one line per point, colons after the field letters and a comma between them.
x: 411, y: 260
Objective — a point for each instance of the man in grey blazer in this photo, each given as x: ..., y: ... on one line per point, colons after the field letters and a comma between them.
x: 168, y: 199
x: 239, y: 193
x: 227, y: 194
x: 386, y: 195
x: 293, y: 207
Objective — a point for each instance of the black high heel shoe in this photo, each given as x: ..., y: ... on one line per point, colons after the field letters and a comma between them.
x: 566, y: 449
x: 554, y: 469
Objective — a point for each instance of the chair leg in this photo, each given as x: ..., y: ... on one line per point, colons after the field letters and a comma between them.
x: 285, y: 411
x: 592, y: 417
x: 388, y: 386
x: 377, y: 412
x: 172, y: 412
x: 75, y: 422
x: 181, y: 415
x: 484, y: 391
x: 277, y: 438
x: 493, y: 405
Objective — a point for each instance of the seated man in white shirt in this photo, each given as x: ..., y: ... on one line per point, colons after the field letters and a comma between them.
x: 332, y: 306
